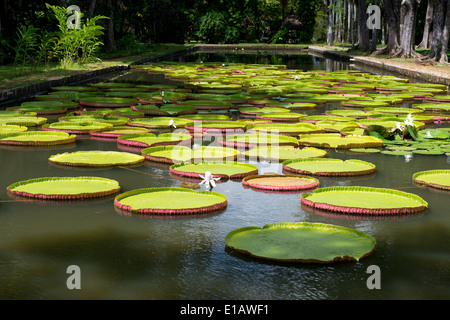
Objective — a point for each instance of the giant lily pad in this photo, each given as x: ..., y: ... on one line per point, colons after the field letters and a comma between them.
x: 117, y: 131
x: 36, y: 138
x: 283, y: 153
x: 27, y: 121
x: 181, y: 154
x: 145, y: 140
x: 439, y: 179
x: 329, y: 167
x: 170, y: 201
x: 160, y: 123
x: 76, y: 127
x: 302, y: 242
x: 5, y: 128
x: 331, y: 140
x: 280, y: 183
x: 218, y: 126
x: 257, y: 140
x: 227, y: 170
x: 107, y: 102
x: 364, y: 200
x: 65, y: 188
x: 96, y: 159
x: 289, y: 129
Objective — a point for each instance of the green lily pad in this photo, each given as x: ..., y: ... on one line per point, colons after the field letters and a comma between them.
x: 170, y: 201
x: 397, y: 152
x: 290, y: 129
x: 36, y: 138
x: 206, y: 117
x: 365, y: 150
x: 181, y: 154
x: 107, y: 102
x: 5, y: 128
x: 329, y: 167
x: 430, y: 152
x: 439, y: 179
x: 76, y: 127
x: 247, y: 141
x: 145, y: 140
x: 336, y: 141
x: 302, y: 242
x: 27, y: 121
x: 227, y: 170
x: 364, y: 200
x: 96, y: 159
x: 283, y: 153
x: 159, y: 122
x: 65, y: 188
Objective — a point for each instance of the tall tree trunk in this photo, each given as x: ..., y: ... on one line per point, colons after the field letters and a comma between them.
x: 407, y: 33
x: 428, y: 21
x: 392, y: 14
x: 330, y: 22
x: 110, y: 39
x: 441, y: 25
x: 364, y: 39
x: 91, y: 9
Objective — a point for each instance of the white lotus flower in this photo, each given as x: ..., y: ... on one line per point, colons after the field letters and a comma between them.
x: 208, y: 179
x: 399, y: 126
x: 172, y: 124
x: 409, y: 121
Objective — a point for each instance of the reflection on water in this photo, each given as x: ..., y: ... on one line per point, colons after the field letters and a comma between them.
x: 132, y: 257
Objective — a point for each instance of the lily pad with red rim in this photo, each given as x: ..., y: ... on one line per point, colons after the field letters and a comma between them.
x: 439, y: 179
x: 280, y: 183
x: 364, y: 200
x: 329, y: 167
x: 36, y: 138
x: 145, y: 140
x: 96, y: 159
x: 65, y: 188
x: 225, y: 170
x: 170, y: 201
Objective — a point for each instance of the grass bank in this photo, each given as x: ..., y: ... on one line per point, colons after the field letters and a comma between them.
x: 13, y: 76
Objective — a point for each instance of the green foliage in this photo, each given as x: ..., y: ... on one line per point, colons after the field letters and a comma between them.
x: 212, y: 27
x: 76, y: 45
x: 306, y: 11
x: 26, y: 43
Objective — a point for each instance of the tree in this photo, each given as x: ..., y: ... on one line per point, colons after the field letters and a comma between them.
x: 407, y: 31
x: 425, y: 43
x: 329, y: 5
x: 392, y: 14
x: 363, y: 31
x: 441, y: 31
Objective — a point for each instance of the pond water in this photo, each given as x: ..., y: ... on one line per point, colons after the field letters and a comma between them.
x: 144, y: 257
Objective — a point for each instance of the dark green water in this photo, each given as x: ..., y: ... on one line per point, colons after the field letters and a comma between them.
x: 137, y: 257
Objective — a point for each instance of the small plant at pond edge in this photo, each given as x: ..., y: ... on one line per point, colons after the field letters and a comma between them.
x: 76, y: 45
x: 68, y: 46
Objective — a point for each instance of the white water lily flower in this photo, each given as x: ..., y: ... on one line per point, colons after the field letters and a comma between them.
x: 399, y: 126
x: 162, y: 93
x: 172, y: 124
x: 208, y: 179
x: 409, y: 120
x: 297, y: 78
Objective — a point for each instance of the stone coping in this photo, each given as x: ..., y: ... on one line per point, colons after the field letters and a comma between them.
x: 378, y: 65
